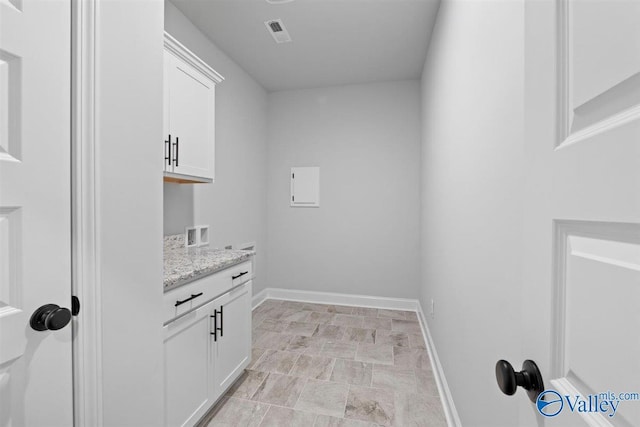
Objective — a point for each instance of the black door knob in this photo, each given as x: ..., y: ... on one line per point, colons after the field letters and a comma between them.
x: 529, y: 378
x: 50, y: 317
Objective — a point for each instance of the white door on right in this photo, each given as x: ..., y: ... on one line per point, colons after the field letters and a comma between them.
x: 581, y: 292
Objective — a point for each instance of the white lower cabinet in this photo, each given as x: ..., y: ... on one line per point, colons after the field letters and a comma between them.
x: 188, y: 369
x: 205, y: 351
x: 232, y: 347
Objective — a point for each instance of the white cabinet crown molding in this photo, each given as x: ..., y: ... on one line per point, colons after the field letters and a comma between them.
x: 181, y: 51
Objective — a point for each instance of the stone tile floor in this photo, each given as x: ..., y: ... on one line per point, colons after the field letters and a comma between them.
x: 329, y: 365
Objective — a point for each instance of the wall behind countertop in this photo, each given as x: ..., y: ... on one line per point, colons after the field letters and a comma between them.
x: 364, y: 237
x: 235, y: 205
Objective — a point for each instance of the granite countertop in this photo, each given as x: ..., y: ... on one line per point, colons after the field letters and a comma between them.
x: 183, y: 265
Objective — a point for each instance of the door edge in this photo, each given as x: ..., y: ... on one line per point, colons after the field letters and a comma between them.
x: 86, y: 285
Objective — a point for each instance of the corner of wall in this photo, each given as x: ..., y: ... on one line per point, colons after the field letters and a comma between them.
x: 450, y: 411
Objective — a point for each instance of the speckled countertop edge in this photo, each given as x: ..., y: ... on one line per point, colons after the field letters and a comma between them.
x: 184, y: 265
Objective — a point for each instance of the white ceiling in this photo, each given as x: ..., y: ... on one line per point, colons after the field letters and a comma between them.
x: 335, y: 42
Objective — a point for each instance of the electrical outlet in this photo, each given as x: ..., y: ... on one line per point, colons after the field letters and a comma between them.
x: 204, y: 235
x: 191, y: 238
x: 433, y: 309
x: 196, y: 235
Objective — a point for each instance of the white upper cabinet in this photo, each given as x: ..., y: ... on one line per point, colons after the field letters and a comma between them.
x: 189, y: 115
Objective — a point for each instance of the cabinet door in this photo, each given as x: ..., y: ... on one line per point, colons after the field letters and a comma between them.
x: 188, y: 367
x: 233, y: 346
x: 191, y: 117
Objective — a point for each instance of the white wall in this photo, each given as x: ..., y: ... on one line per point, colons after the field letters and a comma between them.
x: 235, y: 205
x: 472, y: 184
x: 364, y: 237
x: 129, y: 203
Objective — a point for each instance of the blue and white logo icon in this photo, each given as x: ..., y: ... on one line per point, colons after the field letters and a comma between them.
x: 549, y: 403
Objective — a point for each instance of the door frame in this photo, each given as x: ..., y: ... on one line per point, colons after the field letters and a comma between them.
x: 85, y: 221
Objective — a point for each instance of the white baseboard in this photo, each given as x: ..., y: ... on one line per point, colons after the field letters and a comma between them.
x: 258, y: 299
x: 334, y: 298
x: 450, y: 412
x: 453, y: 420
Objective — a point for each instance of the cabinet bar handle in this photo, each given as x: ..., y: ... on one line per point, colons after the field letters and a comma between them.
x: 239, y: 275
x: 221, y: 320
x: 177, y: 145
x: 188, y: 299
x: 215, y: 325
x: 168, y: 157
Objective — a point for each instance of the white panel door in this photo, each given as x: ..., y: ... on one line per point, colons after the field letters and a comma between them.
x: 191, y: 104
x: 581, y: 292
x: 35, y: 264
x: 233, y: 342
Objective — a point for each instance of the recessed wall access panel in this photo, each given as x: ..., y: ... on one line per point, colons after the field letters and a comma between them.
x: 305, y: 187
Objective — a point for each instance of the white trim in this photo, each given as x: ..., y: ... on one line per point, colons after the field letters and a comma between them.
x: 563, y: 53
x: 450, y: 411
x: 335, y: 298
x: 622, y: 118
x: 593, y: 419
x: 562, y: 230
x: 566, y: 110
x: 87, y: 341
x: 181, y: 51
x: 258, y: 299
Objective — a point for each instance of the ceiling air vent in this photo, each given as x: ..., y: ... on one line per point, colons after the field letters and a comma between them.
x: 278, y: 31
x: 275, y: 27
